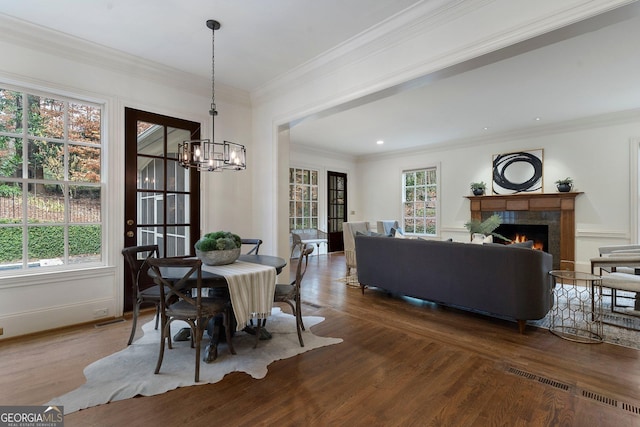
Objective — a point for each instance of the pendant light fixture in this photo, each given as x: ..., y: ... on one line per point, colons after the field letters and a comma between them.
x: 205, y: 154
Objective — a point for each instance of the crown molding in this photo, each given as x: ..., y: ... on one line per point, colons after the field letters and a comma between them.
x: 52, y: 42
x: 407, y: 26
x: 590, y: 122
x: 384, y: 36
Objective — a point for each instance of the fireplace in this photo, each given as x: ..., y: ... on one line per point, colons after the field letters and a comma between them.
x: 554, y: 210
x: 538, y: 233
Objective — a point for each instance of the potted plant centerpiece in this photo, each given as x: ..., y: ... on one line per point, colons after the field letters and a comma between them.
x: 483, y: 231
x: 564, y: 185
x: 478, y: 188
x: 218, y: 248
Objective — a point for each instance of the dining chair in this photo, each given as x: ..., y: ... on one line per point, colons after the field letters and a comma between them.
x: 180, y: 304
x: 290, y: 293
x: 256, y: 245
x: 145, y: 290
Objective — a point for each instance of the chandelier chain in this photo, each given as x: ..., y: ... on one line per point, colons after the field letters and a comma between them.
x: 213, y: 110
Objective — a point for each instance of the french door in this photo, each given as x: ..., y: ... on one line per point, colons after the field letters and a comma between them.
x: 336, y: 209
x: 161, y: 198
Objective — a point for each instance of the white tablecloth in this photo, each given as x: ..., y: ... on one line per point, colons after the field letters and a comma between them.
x: 251, y: 287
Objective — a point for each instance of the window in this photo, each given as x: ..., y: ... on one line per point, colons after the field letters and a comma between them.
x: 303, y: 199
x: 420, y: 201
x: 50, y: 181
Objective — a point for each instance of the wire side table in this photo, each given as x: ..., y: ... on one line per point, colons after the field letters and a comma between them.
x: 577, y: 312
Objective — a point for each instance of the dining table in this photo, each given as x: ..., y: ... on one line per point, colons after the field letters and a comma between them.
x: 252, y: 298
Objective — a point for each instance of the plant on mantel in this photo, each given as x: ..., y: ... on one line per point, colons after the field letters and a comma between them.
x: 478, y: 188
x: 564, y: 185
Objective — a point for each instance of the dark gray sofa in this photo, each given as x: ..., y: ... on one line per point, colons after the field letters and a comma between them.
x: 498, y: 280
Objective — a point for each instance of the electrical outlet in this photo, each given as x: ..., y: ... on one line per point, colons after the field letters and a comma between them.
x: 100, y: 312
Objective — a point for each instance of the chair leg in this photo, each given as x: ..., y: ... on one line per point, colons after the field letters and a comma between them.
x: 134, y: 322
x: 299, y: 333
x: 298, y: 319
x: 299, y: 327
x: 299, y: 312
x: 157, y: 315
x: 163, y: 334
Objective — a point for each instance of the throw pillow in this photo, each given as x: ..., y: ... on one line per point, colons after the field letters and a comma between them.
x: 370, y: 233
x: 527, y: 245
x: 397, y: 233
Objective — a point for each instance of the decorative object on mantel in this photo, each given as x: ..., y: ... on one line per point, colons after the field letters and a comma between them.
x: 218, y: 248
x: 564, y: 185
x: 205, y: 154
x: 483, y: 231
x: 478, y: 188
x: 517, y: 172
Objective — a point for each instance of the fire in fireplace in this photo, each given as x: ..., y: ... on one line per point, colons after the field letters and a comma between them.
x: 539, y: 233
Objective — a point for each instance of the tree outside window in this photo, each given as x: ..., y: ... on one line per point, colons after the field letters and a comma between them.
x: 303, y: 199
x: 50, y: 181
x: 419, y: 201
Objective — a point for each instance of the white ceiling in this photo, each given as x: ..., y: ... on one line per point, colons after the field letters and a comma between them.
x: 586, y: 75
x: 258, y: 39
x: 592, y: 73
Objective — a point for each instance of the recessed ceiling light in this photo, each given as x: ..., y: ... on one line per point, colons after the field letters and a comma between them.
x: 538, y: 119
x: 379, y: 142
x: 485, y: 128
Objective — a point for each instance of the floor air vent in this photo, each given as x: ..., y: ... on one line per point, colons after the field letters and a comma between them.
x: 631, y: 408
x: 634, y: 409
x: 600, y: 398
x: 521, y: 373
x: 554, y: 383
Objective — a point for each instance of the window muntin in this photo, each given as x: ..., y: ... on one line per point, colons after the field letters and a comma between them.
x: 50, y: 181
x: 303, y: 199
x: 420, y: 201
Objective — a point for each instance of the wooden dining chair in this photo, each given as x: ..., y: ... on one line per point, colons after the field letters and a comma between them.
x: 290, y: 293
x: 256, y: 245
x: 179, y: 304
x: 145, y: 290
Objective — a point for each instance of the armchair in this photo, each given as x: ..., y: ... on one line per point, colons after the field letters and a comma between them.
x: 622, y: 266
x: 385, y: 226
x: 349, y: 230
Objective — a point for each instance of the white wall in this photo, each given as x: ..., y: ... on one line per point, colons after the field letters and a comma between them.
x: 38, y: 59
x: 432, y: 36
x: 595, y: 154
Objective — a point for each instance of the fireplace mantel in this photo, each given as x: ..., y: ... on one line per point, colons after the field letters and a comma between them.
x: 541, y: 202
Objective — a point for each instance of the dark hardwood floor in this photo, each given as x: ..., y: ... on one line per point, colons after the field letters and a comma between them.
x: 402, y: 362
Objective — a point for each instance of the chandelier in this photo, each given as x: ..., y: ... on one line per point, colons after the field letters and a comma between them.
x: 205, y: 154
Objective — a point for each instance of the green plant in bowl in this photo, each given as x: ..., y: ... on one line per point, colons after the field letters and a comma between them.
x: 218, y: 248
